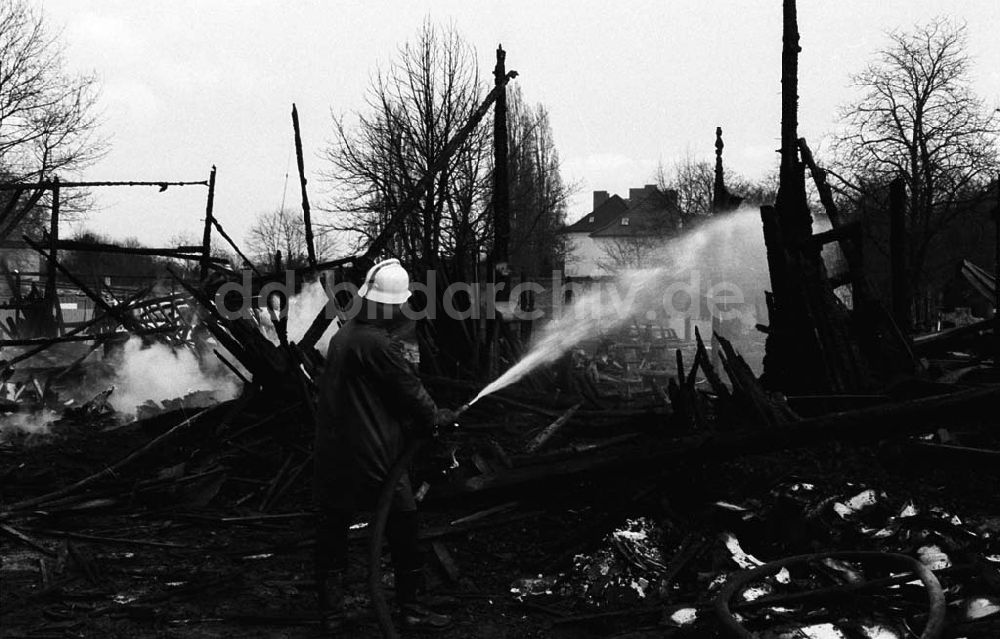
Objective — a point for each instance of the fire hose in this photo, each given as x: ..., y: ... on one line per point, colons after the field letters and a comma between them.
x: 381, y: 516
x: 738, y: 582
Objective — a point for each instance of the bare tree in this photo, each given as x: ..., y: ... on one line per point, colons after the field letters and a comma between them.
x: 48, y: 117
x: 693, y: 180
x: 918, y: 119
x: 631, y: 252
x: 538, y: 193
x: 428, y: 93
x: 284, y: 230
x: 757, y: 191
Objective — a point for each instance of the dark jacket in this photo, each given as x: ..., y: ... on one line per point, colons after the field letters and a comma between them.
x: 369, y: 394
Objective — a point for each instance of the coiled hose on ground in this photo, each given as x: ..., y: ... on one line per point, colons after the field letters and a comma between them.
x: 739, y: 581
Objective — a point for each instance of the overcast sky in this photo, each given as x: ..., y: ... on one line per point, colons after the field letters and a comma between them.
x: 188, y: 84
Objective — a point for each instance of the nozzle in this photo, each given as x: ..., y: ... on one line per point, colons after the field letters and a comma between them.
x: 461, y: 409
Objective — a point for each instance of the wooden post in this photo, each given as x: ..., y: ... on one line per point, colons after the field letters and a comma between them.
x: 808, y: 346
x: 206, y: 241
x: 791, y: 203
x: 16, y: 296
x: 51, y: 290
x: 302, y: 181
x: 498, y: 266
x: 501, y: 189
x: 897, y: 254
x: 996, y: 267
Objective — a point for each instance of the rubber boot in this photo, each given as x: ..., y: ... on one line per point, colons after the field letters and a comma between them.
x: 413, y: 614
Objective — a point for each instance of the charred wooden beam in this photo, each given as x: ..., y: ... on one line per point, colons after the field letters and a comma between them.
x: 302, y: 183
x: 950, y: 335
x: 206, y: 241
x: 46, y: 185
x: 46, y: 342
x: 213, y: 321
x: 51, y: 295
x: 180, y: 252
x: 882, y: 339
x: 501, y: 188
x: 11, y: 204
x: 769, y: 412
x: 12, y: 221
x: 838, y: 234
x: 901, y: 299
x: 225, y: 236
x: 231, y: 366
x: 109, y: 471
x: 791, y: 200
x: 857, y: 426
x: 822, y: 186
x: 546, y: 434
x: 710, y: 373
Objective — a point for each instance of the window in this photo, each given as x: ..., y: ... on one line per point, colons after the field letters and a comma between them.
x: 591, y: 219
x: 624, y: 221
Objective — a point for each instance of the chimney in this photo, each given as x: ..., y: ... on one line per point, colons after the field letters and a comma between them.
x: 636, y: 195
x: 600, y: 197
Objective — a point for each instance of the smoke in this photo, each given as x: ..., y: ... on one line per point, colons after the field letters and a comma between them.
x: 157, y: 373
x: 302, y: 310
x: 30, y: 424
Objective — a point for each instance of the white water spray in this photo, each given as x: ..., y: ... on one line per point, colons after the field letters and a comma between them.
x: 586, y: 318
x: 729, y: 248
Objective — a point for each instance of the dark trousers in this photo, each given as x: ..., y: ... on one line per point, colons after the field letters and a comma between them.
x: 401, y: 532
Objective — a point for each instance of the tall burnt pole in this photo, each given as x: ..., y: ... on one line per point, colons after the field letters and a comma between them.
x: 307, y: 221
x: 811, y: 346
x: 996, y: 266
x: 791, y: 203
x: 791, y: 350
x: 206, y: 239
x: 901, y: 295
x: 501, y: 188
x: 498, y: 270
x: 51, y: 290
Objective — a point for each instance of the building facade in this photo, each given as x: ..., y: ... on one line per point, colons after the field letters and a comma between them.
x: 617, y: 231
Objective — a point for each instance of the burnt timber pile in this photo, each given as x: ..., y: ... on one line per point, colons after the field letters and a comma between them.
x: 198, y: 516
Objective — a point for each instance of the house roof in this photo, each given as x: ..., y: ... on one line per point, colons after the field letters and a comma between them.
x: 610, y: 210
x: 653, y: 214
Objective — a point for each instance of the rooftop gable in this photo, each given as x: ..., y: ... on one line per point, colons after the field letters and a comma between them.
x: 654, y: 214
x: 607, y: 212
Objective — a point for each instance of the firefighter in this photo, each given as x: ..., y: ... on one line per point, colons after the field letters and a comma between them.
x: 370, y: 399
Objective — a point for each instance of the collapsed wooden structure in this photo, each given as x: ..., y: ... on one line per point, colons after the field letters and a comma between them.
x: 825, y: 376
x: 815, y: 345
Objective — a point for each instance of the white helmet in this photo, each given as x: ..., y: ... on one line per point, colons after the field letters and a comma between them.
x: 387, y: 283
